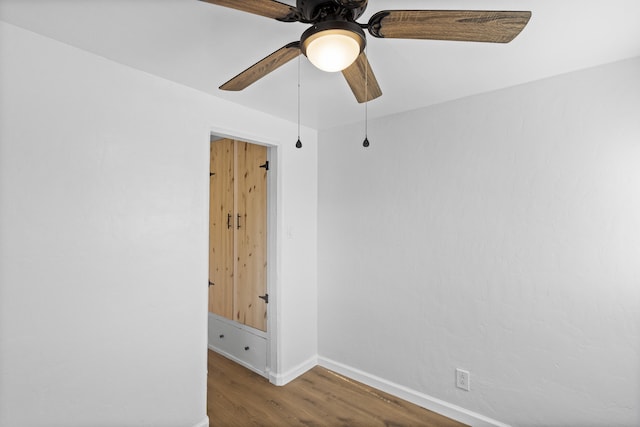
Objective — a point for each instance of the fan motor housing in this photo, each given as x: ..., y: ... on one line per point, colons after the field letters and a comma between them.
x: 318, y: 10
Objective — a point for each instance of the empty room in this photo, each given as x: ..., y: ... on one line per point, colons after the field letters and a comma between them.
x: 434, y: 203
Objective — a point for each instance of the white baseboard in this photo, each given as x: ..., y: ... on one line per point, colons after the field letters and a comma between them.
x: 428, y: 402
x: 203, y: 423
x: 295, y: 372
x: 276, y: 379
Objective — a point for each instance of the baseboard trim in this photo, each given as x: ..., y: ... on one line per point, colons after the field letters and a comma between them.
x: 428, y: 402
x: 295, y: 372
x: 238, y: 361
x: 203, y: 423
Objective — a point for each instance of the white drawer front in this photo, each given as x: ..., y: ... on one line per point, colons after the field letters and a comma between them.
x: 238, y: 344
x: 221, y: 335
x: 251, y: 349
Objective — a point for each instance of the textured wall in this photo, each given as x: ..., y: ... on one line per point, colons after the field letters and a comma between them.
x: 103, y: 247
x: 498, y: 233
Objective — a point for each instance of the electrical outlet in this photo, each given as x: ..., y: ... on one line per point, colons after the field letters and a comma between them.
x: 462, y: 379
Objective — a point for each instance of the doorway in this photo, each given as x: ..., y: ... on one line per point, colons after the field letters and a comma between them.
x: 241, y: 259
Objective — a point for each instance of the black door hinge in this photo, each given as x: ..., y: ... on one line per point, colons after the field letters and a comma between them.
x: 211, y: 283
x: 266, y: 165
x: 265, y: 297
x: 211, y: 174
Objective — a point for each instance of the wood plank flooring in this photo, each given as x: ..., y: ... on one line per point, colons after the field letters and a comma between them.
x: 239, y: 397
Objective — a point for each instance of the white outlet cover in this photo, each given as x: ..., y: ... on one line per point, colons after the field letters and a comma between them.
x: 463, y: 379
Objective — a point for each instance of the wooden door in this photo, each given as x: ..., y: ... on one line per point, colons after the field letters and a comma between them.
x: 251, y: 235
x: 221, y: 228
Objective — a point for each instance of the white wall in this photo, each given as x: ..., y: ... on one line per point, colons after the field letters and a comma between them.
x: 103, y: 238
x: 498, y: 233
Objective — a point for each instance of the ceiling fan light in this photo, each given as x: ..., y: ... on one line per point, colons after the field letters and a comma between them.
x: 333, y: 50
x: 333, y: 45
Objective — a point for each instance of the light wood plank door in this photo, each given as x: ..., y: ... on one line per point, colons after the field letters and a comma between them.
x: 221, y: 228
x: 251, y: 235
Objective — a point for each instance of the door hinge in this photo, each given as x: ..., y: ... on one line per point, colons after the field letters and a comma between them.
x: 266, y: 165
x: 211, y: 283
x: 265, y: 297
x: 211, y: 174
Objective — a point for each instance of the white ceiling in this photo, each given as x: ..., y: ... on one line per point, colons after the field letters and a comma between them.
x: 202, y: 45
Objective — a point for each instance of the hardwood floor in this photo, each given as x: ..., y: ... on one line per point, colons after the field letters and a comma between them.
x: 239, y: 397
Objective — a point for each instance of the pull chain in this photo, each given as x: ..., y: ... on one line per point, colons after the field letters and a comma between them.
x: 299, y: 143
x: 365, y: 143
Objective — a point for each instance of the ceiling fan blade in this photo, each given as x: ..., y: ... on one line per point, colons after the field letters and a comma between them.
x: 361, y: 79
x: 458, y: 25
x: 263, y: 67
x: 268, y: 8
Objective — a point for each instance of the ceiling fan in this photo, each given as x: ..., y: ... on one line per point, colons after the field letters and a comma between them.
x: 336, y: 42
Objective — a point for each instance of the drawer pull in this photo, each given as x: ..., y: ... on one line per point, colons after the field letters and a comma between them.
x: 221, y: 336
x: 246, y: 348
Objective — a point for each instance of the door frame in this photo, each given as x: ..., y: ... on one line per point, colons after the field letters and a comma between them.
x: 273, y: 243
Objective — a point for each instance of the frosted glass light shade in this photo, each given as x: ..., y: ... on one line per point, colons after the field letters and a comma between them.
x: 333, y: 50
